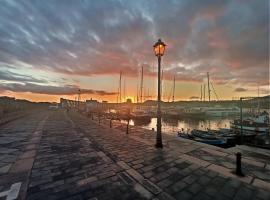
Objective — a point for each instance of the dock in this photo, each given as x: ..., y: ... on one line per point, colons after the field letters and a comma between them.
x: 55, y: 154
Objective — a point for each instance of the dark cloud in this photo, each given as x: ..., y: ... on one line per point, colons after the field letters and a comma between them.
x: 226, y: 38
x: 11, y: 76
x: 51, y: 90
x: 240, y: 90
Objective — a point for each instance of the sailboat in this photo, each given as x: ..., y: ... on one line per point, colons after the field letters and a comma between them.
x: 138, y: 113
x: 258, y: 123
x: 218, y: 111
x: 172, y: 111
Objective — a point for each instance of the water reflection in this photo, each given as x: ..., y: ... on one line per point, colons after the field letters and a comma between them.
x: 171, y: 126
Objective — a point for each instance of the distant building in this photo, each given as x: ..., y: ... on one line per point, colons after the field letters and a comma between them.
x: 92, y: 105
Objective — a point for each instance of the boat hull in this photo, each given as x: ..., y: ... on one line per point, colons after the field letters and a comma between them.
x: 250, y: 128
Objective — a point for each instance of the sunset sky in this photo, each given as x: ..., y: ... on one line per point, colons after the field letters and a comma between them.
x: 50, y: 49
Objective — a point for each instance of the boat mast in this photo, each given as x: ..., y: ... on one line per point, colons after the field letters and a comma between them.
x: 124, y: 90
x: 208, y: 87
x: 173, y: 89
x: 203, y: 92
x: 79, y: 98
x: 117, y: 95
x: 258, y: 99
x: 137, y: 93
x: 120, y: 88
x: 142, y: 86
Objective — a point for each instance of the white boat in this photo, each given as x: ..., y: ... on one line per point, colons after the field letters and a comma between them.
x: 259, y: 123
x: 221, y: 111
x: 193, y: 112
x: 138, y: 113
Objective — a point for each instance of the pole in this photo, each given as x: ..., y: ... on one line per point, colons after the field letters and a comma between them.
x: 161, y: 85
x: 208, y: 86
x: 79, y: 99
x: 117, y: 95
x: 159, y: 137
x: 173, y: 88
x: 203, y: 92
x: 120, y: 88
x: 127, y: 126
x: 124, y: 90
x: 241, y: 120
x: 137, y: 94
x: 258, y: 99
x: 142, y: 86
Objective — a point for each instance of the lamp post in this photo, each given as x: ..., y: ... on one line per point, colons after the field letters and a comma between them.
x: 159, y: 49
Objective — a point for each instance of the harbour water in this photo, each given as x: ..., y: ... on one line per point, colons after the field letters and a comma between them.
x: 171, y: 126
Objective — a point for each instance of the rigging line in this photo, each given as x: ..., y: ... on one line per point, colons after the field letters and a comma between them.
x: 170, y: 94
x: 214, y: 91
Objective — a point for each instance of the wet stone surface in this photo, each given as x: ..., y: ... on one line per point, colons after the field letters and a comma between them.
x: 74, y: 157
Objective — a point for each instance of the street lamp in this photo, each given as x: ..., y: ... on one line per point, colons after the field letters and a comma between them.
x: 159, y: 49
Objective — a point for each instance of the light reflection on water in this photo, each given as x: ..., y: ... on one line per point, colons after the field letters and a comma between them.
x: 171, y: 126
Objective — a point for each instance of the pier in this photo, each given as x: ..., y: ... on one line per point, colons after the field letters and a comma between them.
x: 66, y: 155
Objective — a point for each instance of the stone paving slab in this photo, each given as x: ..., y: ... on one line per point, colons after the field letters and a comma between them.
x: 69, y: 156
x: 166, y: 174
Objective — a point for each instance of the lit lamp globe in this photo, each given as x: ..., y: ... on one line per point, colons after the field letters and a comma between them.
x: 159, y: 48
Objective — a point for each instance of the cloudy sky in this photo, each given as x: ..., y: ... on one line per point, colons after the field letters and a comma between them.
x: 49, y: 49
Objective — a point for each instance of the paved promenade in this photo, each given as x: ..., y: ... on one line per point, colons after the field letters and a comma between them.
x: 59, y: 155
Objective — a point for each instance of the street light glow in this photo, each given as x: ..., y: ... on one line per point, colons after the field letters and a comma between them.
x: 159, y: 48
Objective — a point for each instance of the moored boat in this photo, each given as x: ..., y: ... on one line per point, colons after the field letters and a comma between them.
x: 258, y: 124
x: 140, y: 114
x: 207, y: 137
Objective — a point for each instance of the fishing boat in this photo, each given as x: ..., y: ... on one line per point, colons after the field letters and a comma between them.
x: 206, y: 137
x: 258, y: 124
x: 221, y: 111
x: 140, y: 114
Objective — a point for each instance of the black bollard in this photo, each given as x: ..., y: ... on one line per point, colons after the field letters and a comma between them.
x: 110, y: 123
x: 238, y: 164
x: 127, y: 126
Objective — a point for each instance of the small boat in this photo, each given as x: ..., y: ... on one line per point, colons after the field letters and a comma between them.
x: 257, y: 124
x: 140, y: 114
x: 195, y: 112
x: 209, y: 137
x: 221, y: 111
x: 206, y: 137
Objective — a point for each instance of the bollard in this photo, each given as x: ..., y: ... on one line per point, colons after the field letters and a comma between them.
x: 238, y: 164
x: 98, y: 119
x: 127, y: 126
x: 110, y: 123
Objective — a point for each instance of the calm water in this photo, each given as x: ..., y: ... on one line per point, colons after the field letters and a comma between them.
x: 171, y: 126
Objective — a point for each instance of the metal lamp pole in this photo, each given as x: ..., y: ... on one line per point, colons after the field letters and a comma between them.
x: 159, y: 49
x: 159, y: 136
x: 241, y: 120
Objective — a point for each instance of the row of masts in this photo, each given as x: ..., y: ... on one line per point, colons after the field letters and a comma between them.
x: 203, y: 88
x: 140, y: 91
x: 140, y: 95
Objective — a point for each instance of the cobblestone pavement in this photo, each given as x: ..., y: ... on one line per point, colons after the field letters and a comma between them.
x: 180, y: 169
x: 59, y: 155
x: 18, y: 142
